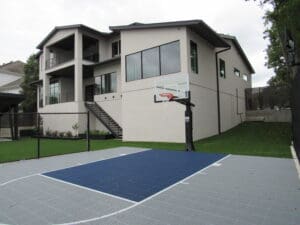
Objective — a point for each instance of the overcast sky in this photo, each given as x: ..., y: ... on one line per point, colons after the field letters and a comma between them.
x: 25, y: 23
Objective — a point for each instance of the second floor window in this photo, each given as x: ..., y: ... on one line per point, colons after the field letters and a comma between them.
x: 161, y: 60
x: 194, y: 56
x: 106, y: 83
x: 116, y: 48
x: 237, y: 72
x: 40, y: 91
x: 54, y: 92
x: 222, y: 68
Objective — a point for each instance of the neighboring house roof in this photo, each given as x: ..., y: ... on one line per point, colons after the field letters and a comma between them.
x: 197, y: 25
x: 12, y: 82
x: 240, y: 50
x: 75, y: 26
x: 9, y: 99
x: 14, y: 66
x: 12, y: 85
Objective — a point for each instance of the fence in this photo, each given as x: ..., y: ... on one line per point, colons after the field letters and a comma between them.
x: 267, y: 98
x: 47, y: 134
x: 296, y: 111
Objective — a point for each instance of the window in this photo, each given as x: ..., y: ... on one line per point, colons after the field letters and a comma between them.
x: 194, y: 56
x: 54, y: 92
x: 40, y: 92
x: 237, y: 72
x: 222, y: 68
x: 134, y: 67
x: 170, y: 58
x: 245, y: 77
x: 150, y: 60
x: 106, y: 83
x: 116, y: 48
x: 161, y: 60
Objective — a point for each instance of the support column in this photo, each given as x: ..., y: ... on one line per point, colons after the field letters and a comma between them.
x: 46, y: 80
x: 78, y: 76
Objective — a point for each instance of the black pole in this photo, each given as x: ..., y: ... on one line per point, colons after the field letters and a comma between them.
x: 38, y: 135
x: 88, y: 132
x: 189, y: 125
x: 10, y: 119
x: 16, y: 124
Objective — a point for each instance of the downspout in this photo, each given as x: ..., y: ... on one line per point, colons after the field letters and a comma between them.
x: 218, y: 87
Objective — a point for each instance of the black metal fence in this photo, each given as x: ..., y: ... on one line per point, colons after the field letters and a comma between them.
x: 43, y: 134
x: 296, y: 111
x: 267, y: 97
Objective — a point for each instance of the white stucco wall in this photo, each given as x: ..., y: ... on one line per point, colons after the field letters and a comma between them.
x: 233, y: 108
x: 142, y: 119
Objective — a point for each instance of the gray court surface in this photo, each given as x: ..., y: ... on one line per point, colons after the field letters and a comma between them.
x: 238, y: 190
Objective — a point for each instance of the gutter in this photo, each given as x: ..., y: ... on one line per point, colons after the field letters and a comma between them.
x: 218, y: 87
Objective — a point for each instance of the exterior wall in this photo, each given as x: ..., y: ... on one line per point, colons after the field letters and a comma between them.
x: 233, y: 107
x: 142, y: 119
x: 111, y: 102
x: 203, y: 89
x: 269, y: 115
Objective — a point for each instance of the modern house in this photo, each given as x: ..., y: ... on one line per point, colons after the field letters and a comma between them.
x: 112, y: 75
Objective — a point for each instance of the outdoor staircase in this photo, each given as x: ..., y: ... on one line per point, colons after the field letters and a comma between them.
x: 105, y: 119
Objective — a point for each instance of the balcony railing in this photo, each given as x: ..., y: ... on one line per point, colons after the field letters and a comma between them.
x: 57, y: 60
x: 61, y: 98
x: 94, y: 57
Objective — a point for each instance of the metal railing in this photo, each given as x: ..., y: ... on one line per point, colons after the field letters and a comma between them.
x: 61, y: 98
x: 58, y: 59
x: 94, y: 57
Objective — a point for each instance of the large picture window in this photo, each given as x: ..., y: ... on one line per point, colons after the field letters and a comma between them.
x: 170, y: 58
x: 134, y: 66
x: 161, y: 60
x: 194, y: 56
x: 222, y: 68
x: 54, y: 92
x: 150, y: 62
x: 106, y: 83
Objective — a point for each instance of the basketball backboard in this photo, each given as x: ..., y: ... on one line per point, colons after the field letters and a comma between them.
x: 171, y: 87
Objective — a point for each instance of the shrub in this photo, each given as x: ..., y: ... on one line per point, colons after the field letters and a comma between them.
x: 69, y: 134
x: 55, y: 133
x: 61, y: 134
x: 48, y: 132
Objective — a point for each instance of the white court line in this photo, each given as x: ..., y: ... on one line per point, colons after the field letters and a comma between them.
x: 86, y: 188
x: 295, y: 160
x: 146, y: 199
x: 20, y: 178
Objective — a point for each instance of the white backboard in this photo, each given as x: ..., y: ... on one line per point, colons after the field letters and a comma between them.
x: 177, y: 85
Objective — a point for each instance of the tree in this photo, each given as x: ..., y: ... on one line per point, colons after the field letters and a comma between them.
x: 31, y: 71
x: 281, y: 23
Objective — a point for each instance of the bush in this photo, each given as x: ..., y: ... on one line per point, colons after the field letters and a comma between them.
x: 55, y: 133
x: 69, y: 134
x: 48, y: 132
x: 98, y: 132
x: 61, y: 134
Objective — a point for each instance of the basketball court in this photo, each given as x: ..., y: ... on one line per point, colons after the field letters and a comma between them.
x: 149, y: 186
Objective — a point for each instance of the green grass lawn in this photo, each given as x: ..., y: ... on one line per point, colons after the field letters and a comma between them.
x: 249, y: 138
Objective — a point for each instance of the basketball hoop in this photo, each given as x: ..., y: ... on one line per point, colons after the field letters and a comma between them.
x: 170, y: 96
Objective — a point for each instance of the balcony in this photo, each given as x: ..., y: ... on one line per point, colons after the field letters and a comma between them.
x: 60, y: 98
x: 58, y: 59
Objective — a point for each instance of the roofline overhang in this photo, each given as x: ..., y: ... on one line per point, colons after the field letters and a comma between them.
x: 74, y: 26
x: 198, y: 25
x: 240, y: 50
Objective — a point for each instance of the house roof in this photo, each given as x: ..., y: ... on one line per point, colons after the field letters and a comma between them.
x: 198, y: 26
x: 240, y: 50
x: 75, y: 26
x: 12, y: 85
x: 13, y: 66
x: 8, y: 99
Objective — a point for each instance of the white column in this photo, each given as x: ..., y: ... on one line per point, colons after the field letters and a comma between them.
x: 45, y: 77
x: 78, y: 90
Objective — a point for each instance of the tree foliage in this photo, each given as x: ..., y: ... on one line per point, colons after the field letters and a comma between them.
x: 31, y: 71
x: 281, y: 20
